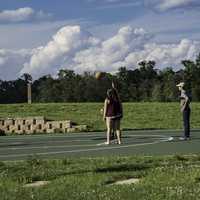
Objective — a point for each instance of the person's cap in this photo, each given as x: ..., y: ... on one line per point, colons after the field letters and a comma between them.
x: 181, y: 84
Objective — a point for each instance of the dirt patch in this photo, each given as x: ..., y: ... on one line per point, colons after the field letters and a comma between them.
x: 127, y: 181
x: 37, y: 184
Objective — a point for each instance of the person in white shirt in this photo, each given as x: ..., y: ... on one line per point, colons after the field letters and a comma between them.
x: 185, y: 109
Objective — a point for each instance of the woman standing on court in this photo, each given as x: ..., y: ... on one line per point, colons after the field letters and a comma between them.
x: 113, y: 113
x: 185, y: 109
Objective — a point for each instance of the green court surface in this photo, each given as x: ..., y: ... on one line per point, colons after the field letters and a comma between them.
x: 145, y: 142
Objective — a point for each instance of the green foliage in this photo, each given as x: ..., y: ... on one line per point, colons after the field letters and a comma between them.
x: 144, y: 83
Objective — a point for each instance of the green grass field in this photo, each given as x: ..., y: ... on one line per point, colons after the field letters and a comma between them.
x: 136, y: 115
x: 160, y: 178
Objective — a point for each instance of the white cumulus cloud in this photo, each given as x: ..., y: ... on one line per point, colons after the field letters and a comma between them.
x: 21, y: 15
x: 112, y: 52
x: 11, y: 62
x: 64, y: 44
x: 165, y: 55
x: 163, y: 5
x: 167, y: 4
x: 75, y: 49
x: 78, y: 50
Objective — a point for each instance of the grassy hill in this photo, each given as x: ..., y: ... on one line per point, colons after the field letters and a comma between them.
x: 136, y: 115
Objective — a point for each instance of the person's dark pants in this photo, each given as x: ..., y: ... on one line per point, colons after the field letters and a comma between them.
x: 112, y: 135
x: 186, y: 122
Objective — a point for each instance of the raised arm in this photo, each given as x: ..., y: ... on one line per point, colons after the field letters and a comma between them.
x: 105, y: 109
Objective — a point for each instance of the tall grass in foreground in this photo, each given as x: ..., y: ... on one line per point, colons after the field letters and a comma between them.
x: 176, y: 177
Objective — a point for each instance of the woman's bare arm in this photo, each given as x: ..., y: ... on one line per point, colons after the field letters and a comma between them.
x: 105, y: 109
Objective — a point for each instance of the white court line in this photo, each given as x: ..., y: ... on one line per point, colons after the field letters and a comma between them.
x: 50, y: 147
x: 85, y: 134
x: 44, y: 136
x: 63, y: 146
x: 78, y: 136
x: 83, y: 150
x: 39, y: 142
x: 69, y: 146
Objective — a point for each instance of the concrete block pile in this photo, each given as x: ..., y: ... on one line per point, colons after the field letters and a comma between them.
x: 31, y: 125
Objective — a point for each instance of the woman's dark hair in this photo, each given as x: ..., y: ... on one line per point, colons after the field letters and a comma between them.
x: 112, y: 94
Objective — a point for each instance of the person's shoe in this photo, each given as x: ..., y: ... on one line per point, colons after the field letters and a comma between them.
x: 102, y: 144
x: 106, y: 143
x: 114, y: 141
x: 185, y: 138
x: 182, y: 138
x: 170, y: 139
x: 119, y: 142
x: 188, y: 138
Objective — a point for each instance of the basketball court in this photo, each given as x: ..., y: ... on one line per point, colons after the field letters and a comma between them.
x: 143, y: 142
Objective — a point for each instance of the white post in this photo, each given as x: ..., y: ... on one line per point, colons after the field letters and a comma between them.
x: 29, y: 93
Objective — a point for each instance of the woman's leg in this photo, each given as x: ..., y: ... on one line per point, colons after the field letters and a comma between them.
x: 109, y: 128
x: 118, y: 131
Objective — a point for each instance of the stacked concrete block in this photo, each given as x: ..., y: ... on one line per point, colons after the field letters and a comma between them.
x: 2, y: 126
x: 20, y: 125
x: 8, y: 123
x: 78, y: 128
x: 5, y: 125
x: 31, y: 125
x: 49, y: 127
x: 1, y: 122
x: 30, y: 121
x: 12, y: 129
x: 57, y: 126
x: 40, y: 120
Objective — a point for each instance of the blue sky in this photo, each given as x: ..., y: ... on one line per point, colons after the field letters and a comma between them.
x: 75, y: 9
x: 128, y: 30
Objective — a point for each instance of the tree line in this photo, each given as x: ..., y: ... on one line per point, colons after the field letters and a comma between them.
x: 144, y: 83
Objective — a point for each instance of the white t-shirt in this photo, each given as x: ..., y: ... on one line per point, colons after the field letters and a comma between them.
x: 183, y: 94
